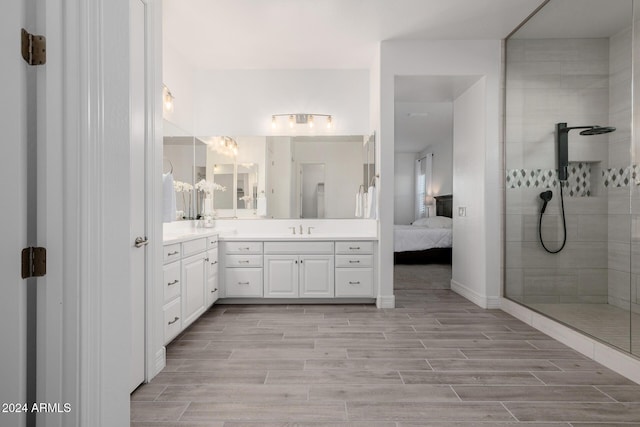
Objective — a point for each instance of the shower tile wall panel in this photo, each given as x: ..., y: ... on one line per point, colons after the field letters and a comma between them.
x: 619, y: 174
x: 551, y: 81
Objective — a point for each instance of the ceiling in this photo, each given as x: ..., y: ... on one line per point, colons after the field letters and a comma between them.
x: 337, y: 34
x: 569, y: 19
x: 342, y: 34
x: 424, y: 110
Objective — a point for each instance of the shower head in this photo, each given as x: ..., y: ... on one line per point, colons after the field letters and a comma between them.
x: 562, y: 143
x: 598, y: 130
x: 588, y: 130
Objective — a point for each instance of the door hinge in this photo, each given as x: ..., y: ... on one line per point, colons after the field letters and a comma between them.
x: 34, y: 48
x: 34, y: 262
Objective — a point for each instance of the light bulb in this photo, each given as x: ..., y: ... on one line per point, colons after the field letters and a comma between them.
x: 273, y: 122
x: 310, y: 120
x: 167, y: 97
x: 291, y: 121
x: 329, y: 122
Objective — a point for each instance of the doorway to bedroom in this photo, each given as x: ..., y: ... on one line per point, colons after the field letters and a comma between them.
x: 424, y: 169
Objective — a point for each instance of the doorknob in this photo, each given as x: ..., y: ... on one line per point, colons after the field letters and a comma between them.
x: 141, y: 241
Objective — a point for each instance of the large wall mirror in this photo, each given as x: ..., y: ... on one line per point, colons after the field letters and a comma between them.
x: 270, y: 176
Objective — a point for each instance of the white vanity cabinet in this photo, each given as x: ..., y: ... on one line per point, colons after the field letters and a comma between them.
x: 298, y: 270
x: 190, y: 282
x: 354, y: 269
x: 243, y: 269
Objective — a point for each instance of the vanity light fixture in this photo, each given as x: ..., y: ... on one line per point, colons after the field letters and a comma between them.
x: 301, y: 119
x: 167, y: 98
x: 228, y: 145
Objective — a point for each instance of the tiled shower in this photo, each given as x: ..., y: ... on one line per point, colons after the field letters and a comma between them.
x: 573, y: 62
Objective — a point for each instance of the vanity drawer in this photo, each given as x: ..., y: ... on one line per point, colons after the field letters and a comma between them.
x: 171, y: 281
x: 354, y: 247
x: 171, y: 252
x: 172, y: 320
x: 298, y: 248
x: 212, y: 242
x: 243, y: 282
x: 354, y: 282
x: 243, y: 261
x: 354, y: 261
x: 243, y: 247
x: 191, y: 247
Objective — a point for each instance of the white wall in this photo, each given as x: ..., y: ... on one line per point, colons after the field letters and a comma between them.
x: 454, y: 58
x: 178, y: 76
x: 470, y: 231
x: 241, y: 102
x: 405, y: 188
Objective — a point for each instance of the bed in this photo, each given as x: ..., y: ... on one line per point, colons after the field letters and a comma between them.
x: 421, y: 245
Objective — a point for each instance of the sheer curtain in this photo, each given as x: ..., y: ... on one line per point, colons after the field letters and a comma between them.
x: 423, y: 170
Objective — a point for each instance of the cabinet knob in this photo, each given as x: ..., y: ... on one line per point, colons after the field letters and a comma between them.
x: 354, y: 283
x: 354, y: 262
x: 215, y: 290
x: 173, y: 283
x: 244, y: 283
x: 207, y: 259
x: 354, y: 248
x: 175, y: 319
x: 173, y: 253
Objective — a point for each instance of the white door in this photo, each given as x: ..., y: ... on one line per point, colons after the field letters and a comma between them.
x: 13, y: 226
x: 137, y: 172
x: 316, y: 276
x: 280, y: 276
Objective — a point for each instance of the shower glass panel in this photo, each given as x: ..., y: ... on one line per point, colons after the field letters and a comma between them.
x: 570, y: 179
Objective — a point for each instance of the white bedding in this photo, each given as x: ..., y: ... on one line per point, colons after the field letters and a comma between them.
x: 412, y: 238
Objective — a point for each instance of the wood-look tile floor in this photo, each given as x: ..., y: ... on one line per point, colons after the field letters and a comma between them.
x: 436, y: 360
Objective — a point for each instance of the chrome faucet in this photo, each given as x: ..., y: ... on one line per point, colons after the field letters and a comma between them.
x: 301, y: 231
x: 293, y: 230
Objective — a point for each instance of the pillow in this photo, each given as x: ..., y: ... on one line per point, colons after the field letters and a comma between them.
x: 434, y: 222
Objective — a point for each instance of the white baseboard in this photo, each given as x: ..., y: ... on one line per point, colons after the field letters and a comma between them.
x: 476, y: 298
x: 161, y: 360
x: 386, y: 301
x: 616, y: 360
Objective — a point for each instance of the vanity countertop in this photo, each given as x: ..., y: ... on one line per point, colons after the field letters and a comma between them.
x: 171, y: 237
x: 294, y: 237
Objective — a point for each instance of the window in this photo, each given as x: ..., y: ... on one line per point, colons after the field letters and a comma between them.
x: 423, y: 185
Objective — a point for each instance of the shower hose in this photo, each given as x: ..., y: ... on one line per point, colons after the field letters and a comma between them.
x: 564, y: 226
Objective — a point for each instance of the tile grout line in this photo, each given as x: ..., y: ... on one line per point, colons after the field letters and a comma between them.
x: 510, y: 413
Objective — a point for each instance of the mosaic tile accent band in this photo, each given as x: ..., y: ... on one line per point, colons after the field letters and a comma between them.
x: 620, y: 177
x: 578, y: 181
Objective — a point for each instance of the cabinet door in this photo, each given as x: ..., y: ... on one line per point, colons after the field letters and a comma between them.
x: 316, y: 276
x: 280, y: 276
x: 194, y: 276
